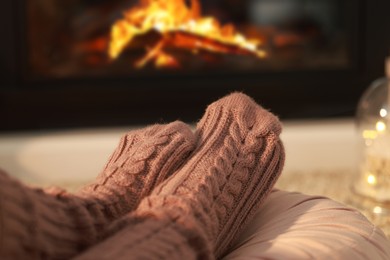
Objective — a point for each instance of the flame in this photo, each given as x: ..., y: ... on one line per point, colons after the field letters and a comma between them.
x: 174, y: 16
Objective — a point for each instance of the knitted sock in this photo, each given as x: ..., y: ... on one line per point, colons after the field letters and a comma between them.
x: 238, y: 159
x: 200, y: 209
x: 36, y: 224
x: 142, y: 160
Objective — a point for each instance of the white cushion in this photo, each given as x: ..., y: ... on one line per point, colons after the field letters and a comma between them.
x: 292, y: 225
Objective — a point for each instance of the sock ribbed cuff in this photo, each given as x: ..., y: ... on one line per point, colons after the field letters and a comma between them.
x: 150, y: 237
x: 38, y: 225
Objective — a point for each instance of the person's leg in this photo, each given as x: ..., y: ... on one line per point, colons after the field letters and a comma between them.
x: 44, y: 224
x: 143, y: 159
x: 200, y: 209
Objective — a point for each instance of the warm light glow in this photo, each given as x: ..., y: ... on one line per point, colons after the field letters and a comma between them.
x: 377, y: 210
x: 383, y: 112
x: 380, y: 126
x: 371, y: 179
x: 173, y: 17
x: 370, y: 134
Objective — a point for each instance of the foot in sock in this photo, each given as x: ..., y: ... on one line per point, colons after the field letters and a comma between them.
x: 142, y: 160
x: 198, y: 211
x: 238, y: 158
x: 39, y: 224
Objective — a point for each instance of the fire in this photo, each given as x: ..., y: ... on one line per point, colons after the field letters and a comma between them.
x: 180, y: 26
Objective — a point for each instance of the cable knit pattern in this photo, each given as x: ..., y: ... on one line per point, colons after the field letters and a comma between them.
x: 52, y: 224
x: 238, y: 159
x: 142, y: 160
x: 200, y: 209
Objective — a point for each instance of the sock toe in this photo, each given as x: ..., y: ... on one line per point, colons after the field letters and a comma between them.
x: 238, y: 158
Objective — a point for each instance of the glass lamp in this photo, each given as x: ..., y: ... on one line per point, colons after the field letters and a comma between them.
x: 372, y: 186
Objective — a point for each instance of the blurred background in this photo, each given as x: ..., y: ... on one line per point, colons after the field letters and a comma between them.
x: 64, y: 103
x: 55, y: 71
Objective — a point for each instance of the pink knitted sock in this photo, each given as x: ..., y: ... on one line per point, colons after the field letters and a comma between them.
x: 200, y: 209
x: 142, y: 160
x: 238, y: 159
x: 36, y: 224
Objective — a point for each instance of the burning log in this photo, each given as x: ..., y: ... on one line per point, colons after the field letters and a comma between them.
x: 191, y: 41
x: 182, y: 40
x: 177, y: 26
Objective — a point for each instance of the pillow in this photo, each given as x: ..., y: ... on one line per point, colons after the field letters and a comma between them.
x: 292, y: 225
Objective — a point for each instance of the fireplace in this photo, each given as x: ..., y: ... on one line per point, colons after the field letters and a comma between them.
x: 311, y: 59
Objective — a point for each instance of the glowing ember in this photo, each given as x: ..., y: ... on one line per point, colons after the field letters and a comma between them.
x: 180, y: 26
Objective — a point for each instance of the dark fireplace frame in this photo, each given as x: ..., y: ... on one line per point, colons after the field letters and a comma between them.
x: 28, y: 103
